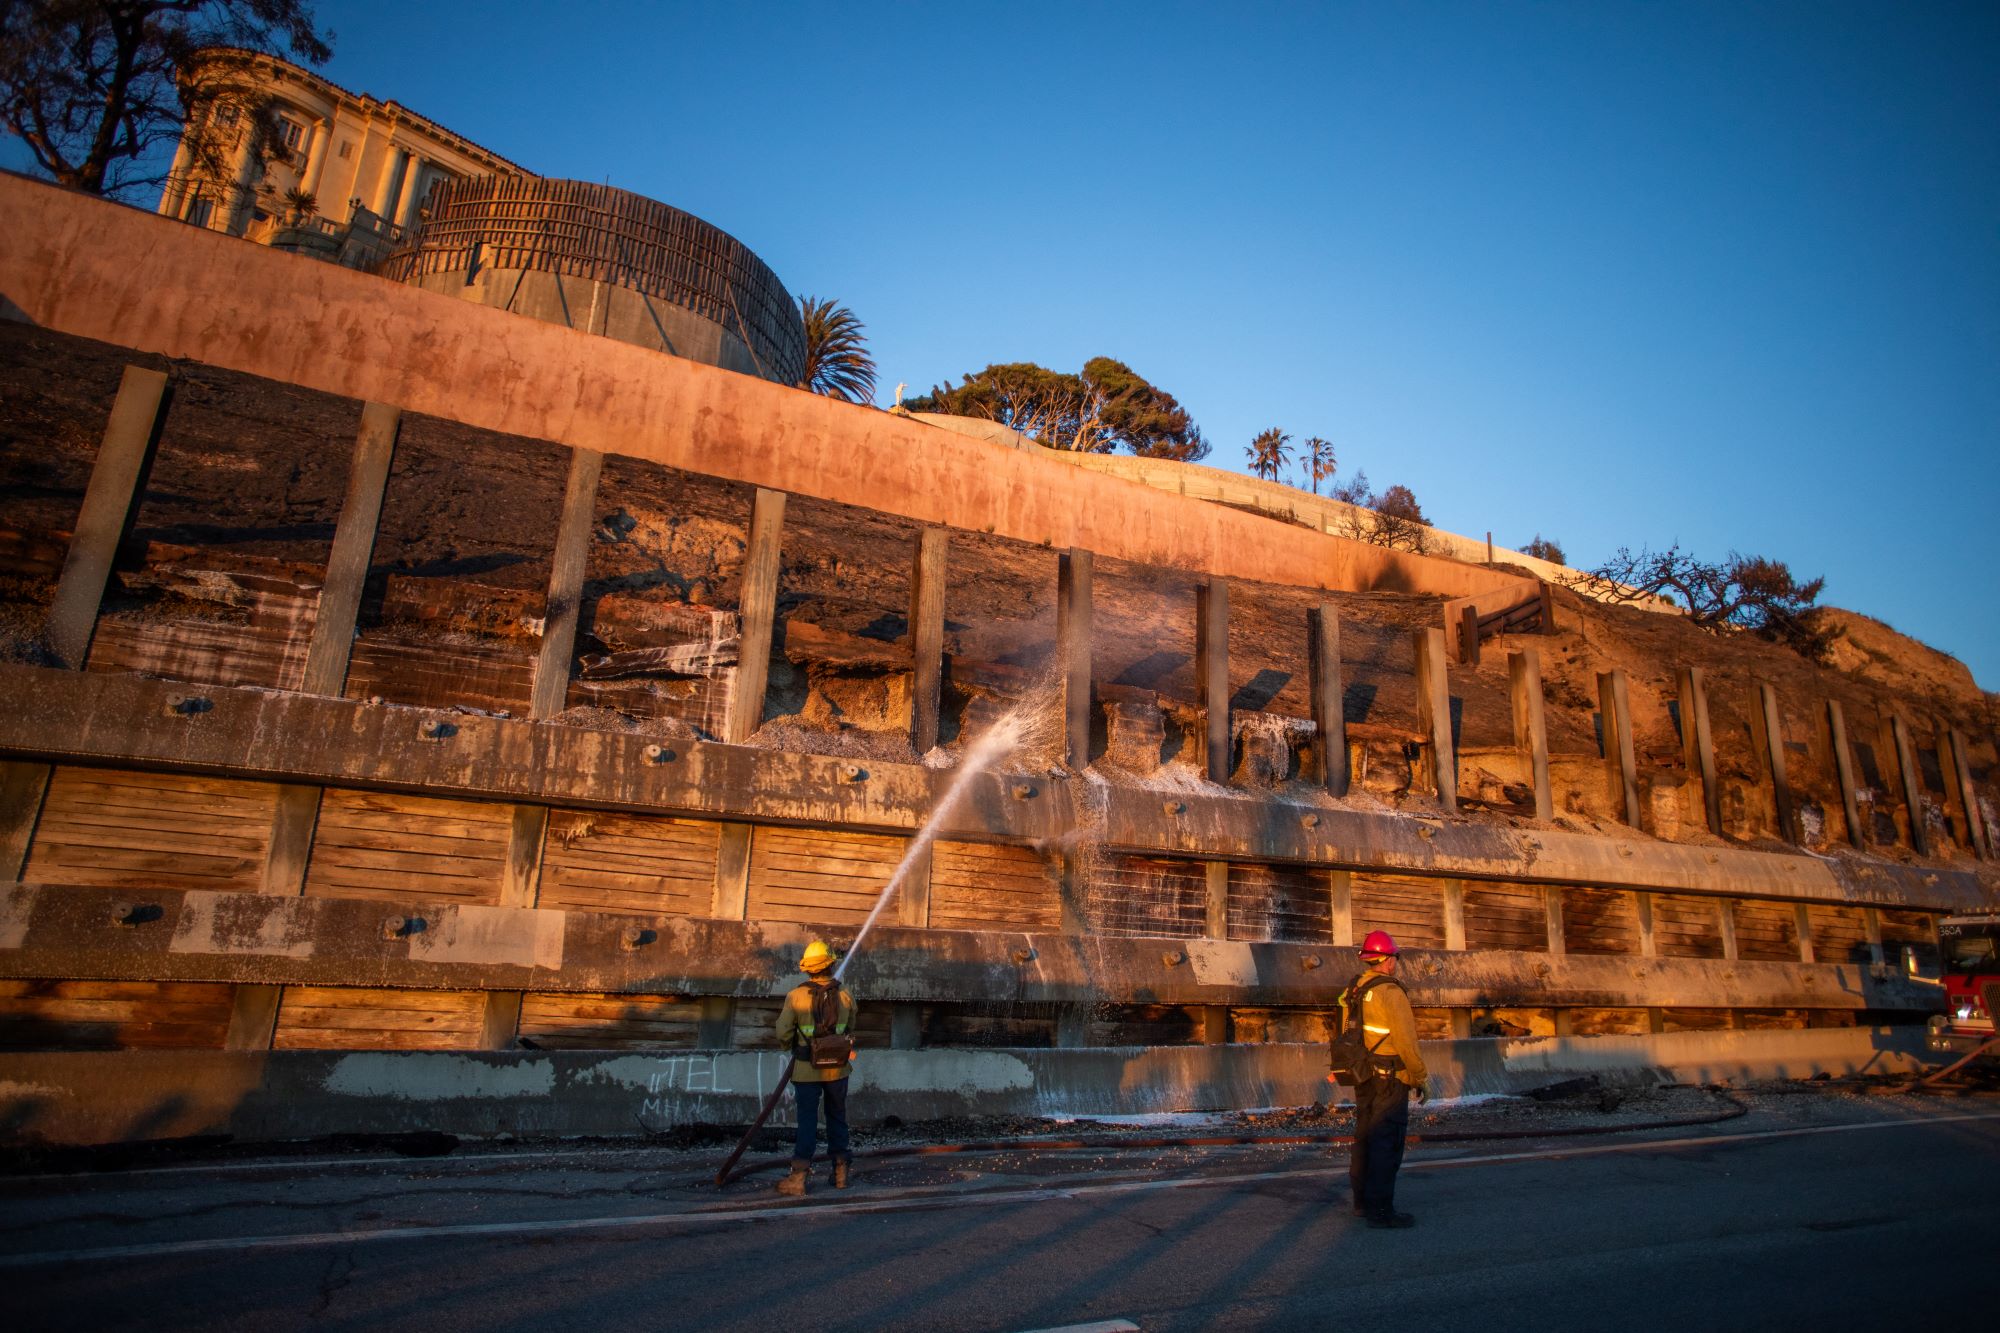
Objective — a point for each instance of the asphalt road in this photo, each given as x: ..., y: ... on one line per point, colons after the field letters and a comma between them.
x: 1823, y: 1216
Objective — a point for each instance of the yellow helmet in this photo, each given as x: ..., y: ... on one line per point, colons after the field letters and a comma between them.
x: 818, y: 958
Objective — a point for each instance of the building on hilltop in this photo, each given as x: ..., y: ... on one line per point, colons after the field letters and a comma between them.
x: 282, y: 157
x: 281, y: 134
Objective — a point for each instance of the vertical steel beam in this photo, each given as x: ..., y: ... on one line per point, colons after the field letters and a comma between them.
x: 22, y: 787
x: 253, y: 1018
x: 757, y: 611
x: 1771, y: 734
x: 913, y: 895
x: 1340, y: 888
x: 715, y: 1026
x: 1726, y: 925
x: 1698, y: 743
x: 1649, y: 940
x: 353, y: 548
x: 1913, y: 800
x: 1808, y: 953
x: 1075, y: 574
x: 1977, y: 834
x: 1843, y: 770
x: 732, y: 873
x: 1454, y: 914
x: 550, y: 692
x: 1211, y: 672
x: 1434, y: 714
x: 1217, y: 914
x: 117, y: 480
x: 1531, y: 730
x: 1468, y: 634
x: 1621, y: 763
x: 1328, y: 709
x: 906, y: 1026
x: 1552, y: 909
x: 927, y: 585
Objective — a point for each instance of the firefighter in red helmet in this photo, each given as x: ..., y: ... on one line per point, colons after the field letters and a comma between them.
x: 1392, y: 1069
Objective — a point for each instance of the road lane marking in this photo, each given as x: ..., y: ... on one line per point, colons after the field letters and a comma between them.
x: 907, y: 1203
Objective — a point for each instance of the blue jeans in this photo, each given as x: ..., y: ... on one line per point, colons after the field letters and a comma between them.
x: 809, y: 1097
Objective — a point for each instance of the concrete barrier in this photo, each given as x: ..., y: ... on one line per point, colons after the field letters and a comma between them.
x: 124, y: 1096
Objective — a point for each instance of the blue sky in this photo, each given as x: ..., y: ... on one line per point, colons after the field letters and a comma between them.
x: 1615, y: 273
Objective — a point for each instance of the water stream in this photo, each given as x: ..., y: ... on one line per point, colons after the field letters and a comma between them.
x: 1000, y: 739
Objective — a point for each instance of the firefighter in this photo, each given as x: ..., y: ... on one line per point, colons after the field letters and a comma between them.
x: 1393, y: 1070
x: 817, y: 1025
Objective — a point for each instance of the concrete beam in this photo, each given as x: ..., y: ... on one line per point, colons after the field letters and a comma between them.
x: 1698, y: 743
x: 1328, y: 702
x: 1531, y: 732
x: 199, y: 935
x: 1211, y: 675
x: 1245, y: 829
x: 1075, y: 576
x: 757, y: 612
x: 927, y: 588
x: 117, y: 479
x: 128, y: 721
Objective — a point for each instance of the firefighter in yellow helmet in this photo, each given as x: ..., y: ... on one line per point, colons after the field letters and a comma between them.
x: 817, y: 1026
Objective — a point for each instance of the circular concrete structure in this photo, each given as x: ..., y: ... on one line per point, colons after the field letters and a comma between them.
x: 611, y: 262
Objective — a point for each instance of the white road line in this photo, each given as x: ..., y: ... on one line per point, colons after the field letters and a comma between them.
x: 239, y: 1244
x: 1101, y: 1326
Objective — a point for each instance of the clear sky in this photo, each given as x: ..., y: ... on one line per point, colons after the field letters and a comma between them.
x: 1616, y: 273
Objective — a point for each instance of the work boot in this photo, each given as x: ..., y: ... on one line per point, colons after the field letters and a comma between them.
x: 795, y: 1183
x: 1391, y: 1220
x: 840, y: 1173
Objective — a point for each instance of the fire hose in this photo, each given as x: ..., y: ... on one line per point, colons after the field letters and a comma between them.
x: 1736, y: 1108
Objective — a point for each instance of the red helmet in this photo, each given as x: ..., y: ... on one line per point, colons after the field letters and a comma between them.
x: 1378, y: 945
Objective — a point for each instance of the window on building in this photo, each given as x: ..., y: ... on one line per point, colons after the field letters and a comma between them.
x: 225, y: 114
x: 294, y: 134
x: 346, y: 147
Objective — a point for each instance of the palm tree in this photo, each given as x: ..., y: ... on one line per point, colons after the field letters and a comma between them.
x: 1267, y: 453
x: 837, y: 360
x: 1319, y: 461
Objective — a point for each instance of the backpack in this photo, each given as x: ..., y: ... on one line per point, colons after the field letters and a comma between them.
x: 826, y: 1046
x: 1351, y: 1058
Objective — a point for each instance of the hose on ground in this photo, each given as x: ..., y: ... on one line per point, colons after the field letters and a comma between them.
x: 1736, y: 1108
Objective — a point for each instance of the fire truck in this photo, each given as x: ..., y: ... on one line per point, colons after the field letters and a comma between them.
x: 1971, y: 978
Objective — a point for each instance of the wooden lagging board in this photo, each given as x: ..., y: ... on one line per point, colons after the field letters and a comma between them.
x: 584, y: 1022
x: 114, y: 828
x: 1839, y: 934
x: 1687, y: 925
x: 642, y: 864
x: 371, y: 1019
x: 113, y: 1015
x: 1286, y: 903
x: 1766, y: 932
x: 992, y: 886
x: 1146, y: 895
x: 423, y: 673
x: 819, y: 876
x: 1600, y: 921
x: 1409, y: 908
x: 1506, y: 916
x: 400, y: 848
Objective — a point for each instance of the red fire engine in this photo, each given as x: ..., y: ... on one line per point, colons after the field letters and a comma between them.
x: 1971, y: 978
